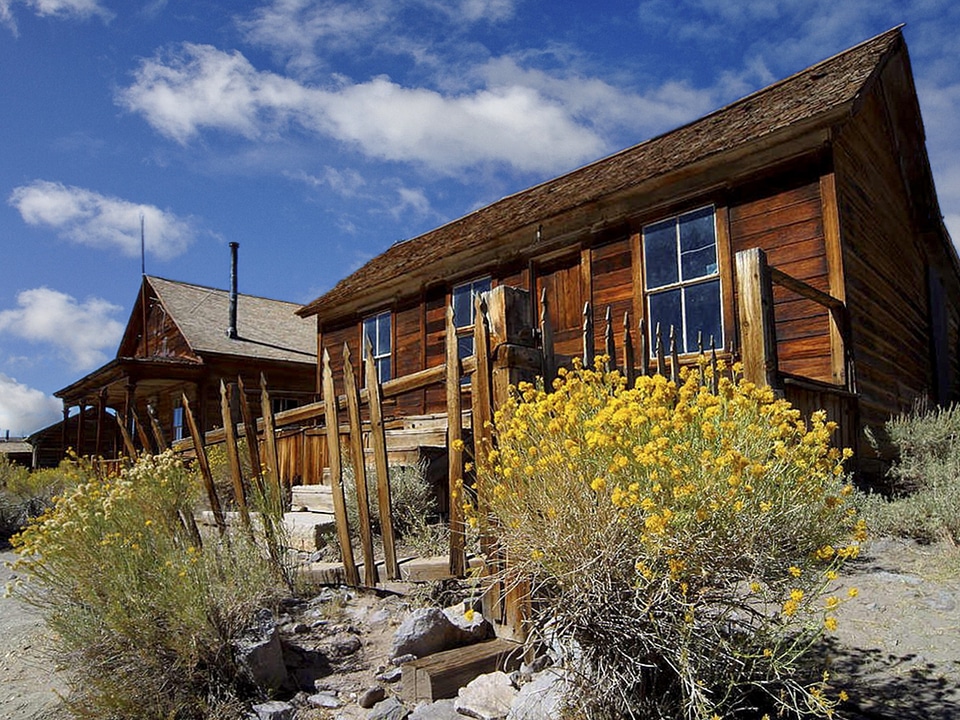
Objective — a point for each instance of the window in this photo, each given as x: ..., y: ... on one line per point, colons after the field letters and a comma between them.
x: 177, y: 422
x: 683, y: 279
x: 464, y: 312
x: 377, y: 330
x: 282, y: 404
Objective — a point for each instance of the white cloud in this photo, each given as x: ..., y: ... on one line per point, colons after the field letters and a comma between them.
x: 24, y: 410
x: 81, y: 9
x: 347, y: 182
x: 294, y: 27
x: 202, y: 87
x: 88, y: 218
x: 414, y: 199
x: 81, y: 332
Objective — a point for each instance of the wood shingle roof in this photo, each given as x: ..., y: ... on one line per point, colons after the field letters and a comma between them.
x: 819, y: 95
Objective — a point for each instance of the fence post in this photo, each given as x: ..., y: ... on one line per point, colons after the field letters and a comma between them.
x: 454, y: 448
x: 230, y: 442
x: 270, y: 442
x: 336, y: 472
x: 515, y: 359
x: 204, y: 464
x: 359, y: 468
x: 758, y: 340
x: 378, y: 440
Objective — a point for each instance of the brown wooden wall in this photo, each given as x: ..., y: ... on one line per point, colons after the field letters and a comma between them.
x: 884, y: 261
x: 784, y: 218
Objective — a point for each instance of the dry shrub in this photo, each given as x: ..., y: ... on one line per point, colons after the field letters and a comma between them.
x: 142, y: 615
x: 679, y: 542
x: 925, y: 478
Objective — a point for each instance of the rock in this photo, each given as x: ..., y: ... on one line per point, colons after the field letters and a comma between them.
x: 259, y: 654
x: 389, y: 709
x: 274, y: 710
x: 430, y: 630
x: 401, y: 659
x: 343, y: 644
x: 540, y: 699
x: 325, y: 699
x: 439, y: 710
x: 390, y: 675
x: 371, y: 696
x: 486, y: 697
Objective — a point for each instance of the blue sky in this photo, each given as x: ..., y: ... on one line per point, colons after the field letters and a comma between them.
x: 316, y: 134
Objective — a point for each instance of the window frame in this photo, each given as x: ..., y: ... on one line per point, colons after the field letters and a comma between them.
x: 379, y: 355
x: 717, y: 275
x: 465, y: 331
x: 177, y: 429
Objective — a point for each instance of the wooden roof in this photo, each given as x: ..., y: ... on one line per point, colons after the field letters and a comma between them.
x: 819, y: 95
x: 268, y: 329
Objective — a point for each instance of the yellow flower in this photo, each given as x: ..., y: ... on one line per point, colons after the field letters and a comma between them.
x: 457, y: 445
x: 795, y: 571
x: 830, y: 623
x: 468, y: 615
x: 853, y: 592
x: 843, y: 696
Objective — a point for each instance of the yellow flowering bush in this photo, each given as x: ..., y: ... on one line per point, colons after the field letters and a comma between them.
x: 680, y: 540
x: 142, y: 613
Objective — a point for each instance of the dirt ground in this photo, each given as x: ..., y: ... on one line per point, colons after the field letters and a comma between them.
x: 896, y: 651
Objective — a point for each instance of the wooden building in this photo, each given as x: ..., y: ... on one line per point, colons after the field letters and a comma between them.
x: 825, y: 172
x: 186, y: 339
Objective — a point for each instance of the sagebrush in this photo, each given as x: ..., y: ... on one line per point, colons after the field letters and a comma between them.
x: 681, y: 543
x: 143, y: 611
x: 924, y: 479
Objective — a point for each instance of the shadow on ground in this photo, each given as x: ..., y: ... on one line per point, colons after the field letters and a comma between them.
x: 888, y: 686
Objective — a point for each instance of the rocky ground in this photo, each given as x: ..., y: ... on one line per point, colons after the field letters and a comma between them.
x: 896, y: 651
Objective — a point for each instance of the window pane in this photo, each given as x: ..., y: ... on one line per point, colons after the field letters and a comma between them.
x: 370, y: 332
x: 698, y: 244
x: 383, y: 334
x: 465, y: 346
x: 664, y: 309
x: 462, y: 306
x: 383, y: 368
x: 703, y: 314
x: 660, y: 253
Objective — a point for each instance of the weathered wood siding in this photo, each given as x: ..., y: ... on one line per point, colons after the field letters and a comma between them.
x: 611, y: 286
x: 784, y: 218
x: 562, y: 282
x: 884, y: 263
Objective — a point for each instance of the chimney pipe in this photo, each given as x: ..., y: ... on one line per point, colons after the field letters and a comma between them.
x: 232, y: 327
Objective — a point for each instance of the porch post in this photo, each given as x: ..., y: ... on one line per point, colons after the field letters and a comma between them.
x: 758, y: 337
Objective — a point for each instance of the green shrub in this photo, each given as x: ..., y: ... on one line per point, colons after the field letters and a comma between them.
x: 25, y: 494
x: 416, y: 520
x: 143, y: 615
x: 679, y: 543
x: 925, y: 478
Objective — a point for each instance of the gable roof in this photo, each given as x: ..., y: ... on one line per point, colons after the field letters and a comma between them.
x: 820, y: 95
x: 268, y: 329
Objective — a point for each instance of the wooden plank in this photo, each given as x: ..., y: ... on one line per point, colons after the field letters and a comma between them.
x: 250, y: 433
x: 629, y: 360
x: 589, y: 352
x: 141, y: 430
x: 454, y: 449
x: 441, y: 675
x: 157, y: 430
x: 336, y: 473
x: 124, y: 433
x: 804, y: 289
x: 379, y: 442
x: 359, y: 469
x: 841, y: 357
x: 546, y: 342
x: 609, y: 345
x: 758, y: 343
x: 270, y: 439
x: 230, y: 440
x: 205, y: 474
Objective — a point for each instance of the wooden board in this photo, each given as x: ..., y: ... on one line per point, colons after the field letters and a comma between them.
x: 442, y: 674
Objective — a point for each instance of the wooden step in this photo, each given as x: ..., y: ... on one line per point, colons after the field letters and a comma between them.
x: 442, y: 674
